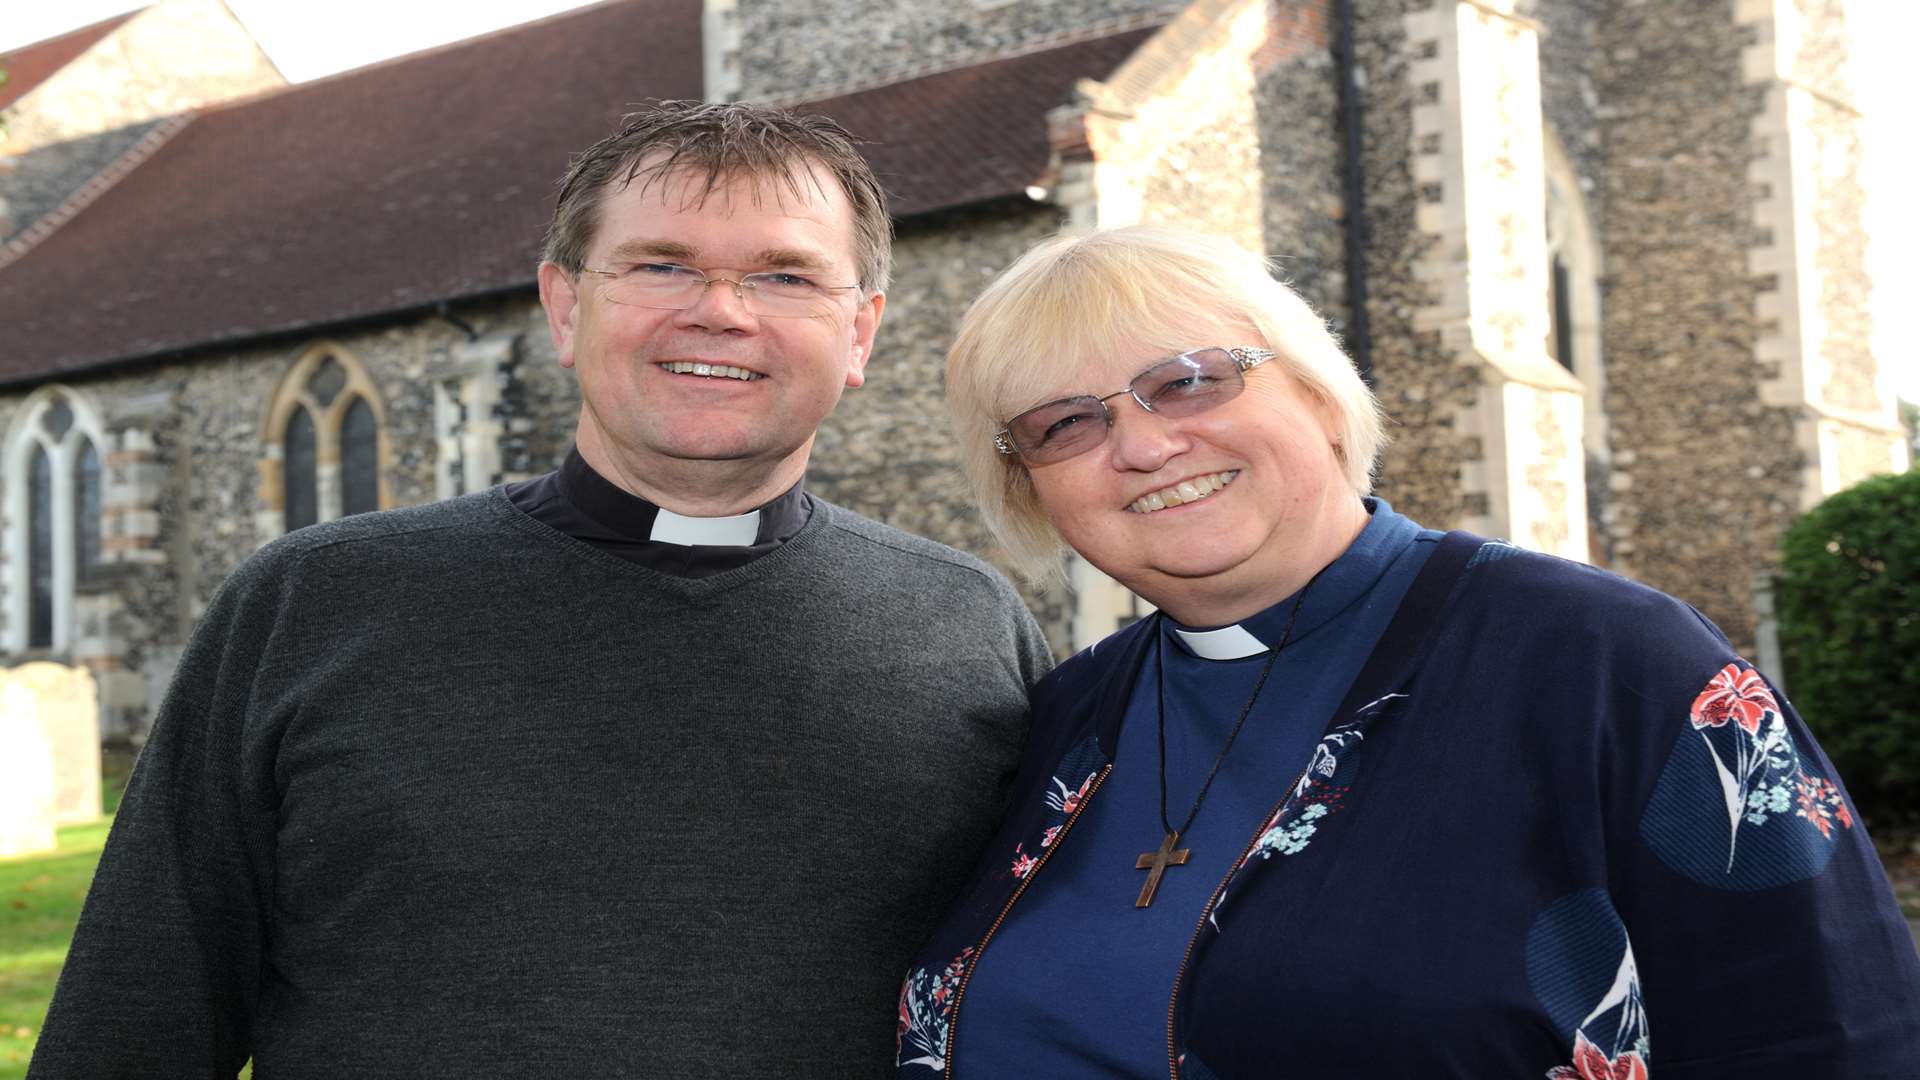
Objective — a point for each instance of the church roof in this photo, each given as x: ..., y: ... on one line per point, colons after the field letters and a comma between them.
x: 975, y: 133
x: 30, y: 65
x: 430, y: 178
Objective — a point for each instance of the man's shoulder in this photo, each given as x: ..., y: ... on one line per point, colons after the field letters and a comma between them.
x: 865, y: 539
x: 421, y: 531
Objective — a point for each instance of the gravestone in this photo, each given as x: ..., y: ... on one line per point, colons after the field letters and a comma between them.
x: 63, y: 702
x: 26, y: 776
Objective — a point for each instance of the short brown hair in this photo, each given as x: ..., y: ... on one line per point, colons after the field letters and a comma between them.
x: 722, y: 140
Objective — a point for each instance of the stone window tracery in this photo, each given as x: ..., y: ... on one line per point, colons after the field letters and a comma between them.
x: 323, y: 444
x: 54, y: 505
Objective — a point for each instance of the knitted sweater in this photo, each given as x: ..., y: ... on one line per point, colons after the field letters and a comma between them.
x: 441, y: 792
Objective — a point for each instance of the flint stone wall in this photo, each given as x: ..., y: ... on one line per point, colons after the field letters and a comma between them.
x: 1419, y: 383
x: 1302, y: 158
x: 1568, y: 95
x: 889, y: 451
x: 1703, y: 468
x: 785, y: 50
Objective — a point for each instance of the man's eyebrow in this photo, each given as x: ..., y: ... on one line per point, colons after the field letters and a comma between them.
x: 793, y: 258
x: 786, y: 258
x: 634, y: 250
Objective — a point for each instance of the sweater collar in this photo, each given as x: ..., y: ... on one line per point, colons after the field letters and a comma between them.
x: 631, y: 516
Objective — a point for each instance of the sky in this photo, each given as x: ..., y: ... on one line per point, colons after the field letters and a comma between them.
x: 311, y: 38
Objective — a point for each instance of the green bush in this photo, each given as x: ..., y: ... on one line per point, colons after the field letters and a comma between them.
x: 1849, y: 608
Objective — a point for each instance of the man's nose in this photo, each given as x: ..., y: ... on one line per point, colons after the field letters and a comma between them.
x: 721, y: 305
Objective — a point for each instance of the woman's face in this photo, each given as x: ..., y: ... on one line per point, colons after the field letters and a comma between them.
x: 1285, y: 510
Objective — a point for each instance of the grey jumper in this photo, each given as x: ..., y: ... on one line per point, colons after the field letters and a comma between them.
x: 442, y: 792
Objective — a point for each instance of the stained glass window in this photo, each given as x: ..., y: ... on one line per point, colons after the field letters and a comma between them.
x: 86, y: 507
x: 39, y: 550
x: 327, y: 382
x: 1562, y: 314
x: 301, y: 462
x: 359, y: 460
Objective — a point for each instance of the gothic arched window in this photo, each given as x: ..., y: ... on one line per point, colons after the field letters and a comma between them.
x: 359, y: 460
x: 86, y: 507
x: 54, y: 502
x: 324, y: 441
x: 302, y: 464
x: 1573, y: 338
x: 39, y: 549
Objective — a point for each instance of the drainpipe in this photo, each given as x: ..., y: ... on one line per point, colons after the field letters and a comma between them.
x: 1352, y: 80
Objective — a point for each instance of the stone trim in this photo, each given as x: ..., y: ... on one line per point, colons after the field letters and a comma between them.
x: 1477, y: 148
x: 1106, y: 139
x: 469, y: 414
x: 720, y: 41
x: 1801, y: 216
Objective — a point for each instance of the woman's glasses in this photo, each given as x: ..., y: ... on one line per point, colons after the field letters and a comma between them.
x: 1183, y: 385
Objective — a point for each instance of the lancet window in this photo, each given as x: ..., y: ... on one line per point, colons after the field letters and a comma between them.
x: 54, y: 502
x: 324, y: 443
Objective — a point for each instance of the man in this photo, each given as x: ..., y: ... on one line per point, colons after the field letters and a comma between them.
x: 654, y: 766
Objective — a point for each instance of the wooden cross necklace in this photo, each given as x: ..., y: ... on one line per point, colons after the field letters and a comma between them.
x: 1155, y: 863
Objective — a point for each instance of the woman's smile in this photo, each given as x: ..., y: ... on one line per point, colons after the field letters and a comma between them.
x: 1186, y: 491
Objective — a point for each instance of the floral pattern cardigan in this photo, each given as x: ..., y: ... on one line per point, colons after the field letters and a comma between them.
x: 1558, y: 829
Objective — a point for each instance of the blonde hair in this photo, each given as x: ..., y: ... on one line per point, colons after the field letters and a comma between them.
x: 1077, y: 297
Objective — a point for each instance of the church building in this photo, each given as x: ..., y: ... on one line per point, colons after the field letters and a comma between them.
x: 1602, y: 260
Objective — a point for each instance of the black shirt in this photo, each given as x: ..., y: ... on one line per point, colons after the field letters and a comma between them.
x: 587, y: 506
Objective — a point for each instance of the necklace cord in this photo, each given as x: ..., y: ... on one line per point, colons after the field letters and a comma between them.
x: 1246, y: 710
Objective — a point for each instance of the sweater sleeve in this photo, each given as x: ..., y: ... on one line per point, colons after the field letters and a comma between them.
x: 1763, y: 933
x: 164, y: 974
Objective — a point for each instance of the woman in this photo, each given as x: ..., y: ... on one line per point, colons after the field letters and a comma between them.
x: 1362, y: 800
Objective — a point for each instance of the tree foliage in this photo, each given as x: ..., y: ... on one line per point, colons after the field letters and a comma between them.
x: 1849, y: 608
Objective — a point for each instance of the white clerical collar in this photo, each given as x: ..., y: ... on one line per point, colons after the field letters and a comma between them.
x: 1227, y: 643
x: 739, y: 530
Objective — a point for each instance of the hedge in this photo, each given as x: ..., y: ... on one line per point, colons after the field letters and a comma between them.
x: 1849, y: 610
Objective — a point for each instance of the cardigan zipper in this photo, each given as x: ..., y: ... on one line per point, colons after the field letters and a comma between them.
x: 959, y: 992
x: 1206, y: 912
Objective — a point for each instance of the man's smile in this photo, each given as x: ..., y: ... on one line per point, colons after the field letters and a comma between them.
x: 705, y: 370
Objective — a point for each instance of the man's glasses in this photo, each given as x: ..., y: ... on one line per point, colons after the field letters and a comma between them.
x: 670, y: 287
x: 1183, y: 385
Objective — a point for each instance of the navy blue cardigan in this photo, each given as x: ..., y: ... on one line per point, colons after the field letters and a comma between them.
x: 1557, y: 829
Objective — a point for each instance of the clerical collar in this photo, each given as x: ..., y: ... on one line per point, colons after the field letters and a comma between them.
x: 637, y: 519
x: 1345, y: 580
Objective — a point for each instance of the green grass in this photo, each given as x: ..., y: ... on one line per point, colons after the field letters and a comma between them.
x: 40, y: 897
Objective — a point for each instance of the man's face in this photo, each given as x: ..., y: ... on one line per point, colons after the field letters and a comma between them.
x: 646, y: 420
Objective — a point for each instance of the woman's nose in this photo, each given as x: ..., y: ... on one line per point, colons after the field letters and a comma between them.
x: 1143, y: 441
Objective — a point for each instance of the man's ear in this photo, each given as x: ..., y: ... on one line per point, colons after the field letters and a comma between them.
x: 562, y: 301
x: 866, y: 323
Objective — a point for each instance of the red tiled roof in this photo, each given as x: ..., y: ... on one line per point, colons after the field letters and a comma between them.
x: 975, y: 133
x: 431, y: 178
x: 30, y: 65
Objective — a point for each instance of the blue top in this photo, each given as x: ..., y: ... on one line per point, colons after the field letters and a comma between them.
x: 1076, y: 983
x: 1556, y: 828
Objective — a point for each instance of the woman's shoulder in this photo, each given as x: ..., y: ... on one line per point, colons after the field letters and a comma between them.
x: 1081, y: 675
x: 1503, y: 579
